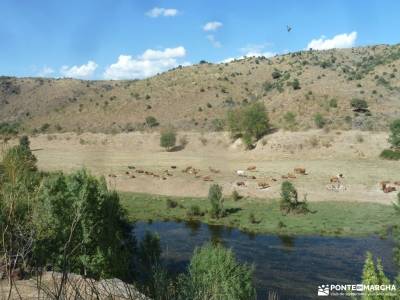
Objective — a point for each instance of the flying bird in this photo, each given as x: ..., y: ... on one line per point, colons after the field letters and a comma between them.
x: 288, y: 28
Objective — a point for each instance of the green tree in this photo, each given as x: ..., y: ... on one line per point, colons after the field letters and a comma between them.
x: 394, y: 137
x: 82, y: 227
x: 374, y: 276
x: 215, y: 274
x: 359, y: 104
x: 216, y: 201
x: 250, y: 122
x: 168, y: 138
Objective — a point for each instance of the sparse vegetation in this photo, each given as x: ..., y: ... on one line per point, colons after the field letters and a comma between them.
x: 151, y: 121
x: 319, y: 120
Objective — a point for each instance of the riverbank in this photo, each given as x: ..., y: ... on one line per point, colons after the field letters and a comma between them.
x: 326, y: 218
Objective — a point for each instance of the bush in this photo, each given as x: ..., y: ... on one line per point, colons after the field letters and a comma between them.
x: 194, y: 211
x: 394, y: 138
x: 333, y: 103
x: 168, y: 138
x: 319, y: 120
x: 290, y: 119
x: 214, y: 271
x: 359, y: 104
x: 236, y: 196
x: 151, y: 121
x: 218, y: 124
x: 171, y: 203
x: 276, y: 74
x: 9, y: 128
x: 250, y: 121
x: 289, y: 199
x: 390, y: 154
x: 296, y: 84
x: 216, y: 201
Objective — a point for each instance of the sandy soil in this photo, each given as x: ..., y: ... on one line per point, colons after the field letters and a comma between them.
x: 323, y: 154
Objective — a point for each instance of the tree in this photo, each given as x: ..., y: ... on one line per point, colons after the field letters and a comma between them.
x: 296, y: 84
x: 289, y: 196
x: 374, y: 276
x: 168, y: 138
x: 82, y: 227
x: 394, y: 138
x: 216, y: 201
x: 250, y: 122
x: 214, y: 273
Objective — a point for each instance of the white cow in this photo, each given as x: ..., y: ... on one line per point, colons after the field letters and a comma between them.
x: 240, y: 173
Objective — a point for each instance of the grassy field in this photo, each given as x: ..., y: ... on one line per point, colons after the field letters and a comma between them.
x: 327, y: 218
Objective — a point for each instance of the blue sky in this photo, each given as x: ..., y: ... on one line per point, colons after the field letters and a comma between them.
x: 117, y: 39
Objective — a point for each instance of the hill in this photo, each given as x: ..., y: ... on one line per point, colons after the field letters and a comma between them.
x: 294, y: 87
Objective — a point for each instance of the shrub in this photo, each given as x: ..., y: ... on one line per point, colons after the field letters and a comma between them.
x: 168, y: 138
x: 171, y: 203
x: 290, y: 119
x: 333, y: 103
x: 390, y: 154
x: 394, y: 138
x: 289, y: 199
x: 236, y: 196
x: 296, y: 84
x: 7, y: 128
x: 218, y: 124
x: 194, y: 210
x: 359, y: 104
x: 213, y: 271
x: 319, y: 120
x: 151, y: 121
x: 276, y: 74
x: 252, y: 219
x: 216, y: 201
x: 251, y: 121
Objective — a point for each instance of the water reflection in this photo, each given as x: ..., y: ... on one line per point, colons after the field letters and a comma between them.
x: 293, y: 266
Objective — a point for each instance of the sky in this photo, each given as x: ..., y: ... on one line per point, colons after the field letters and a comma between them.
x: 129, y: 39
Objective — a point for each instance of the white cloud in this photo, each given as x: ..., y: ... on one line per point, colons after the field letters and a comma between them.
x: 343, y: 40
x: 164, y: 12
x: 214, y: 41
x: 82, y: 71
x: 45, y: 72
x: 212, y: 26
x: 147, y: 64
x: 259, y: 54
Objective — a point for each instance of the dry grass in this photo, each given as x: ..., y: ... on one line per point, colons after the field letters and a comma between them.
x: 283, y: 151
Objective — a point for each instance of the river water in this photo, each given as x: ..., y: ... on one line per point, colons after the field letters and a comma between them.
x: 291, y: 266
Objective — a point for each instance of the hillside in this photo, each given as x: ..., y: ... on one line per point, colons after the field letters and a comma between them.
x: 294, y: 87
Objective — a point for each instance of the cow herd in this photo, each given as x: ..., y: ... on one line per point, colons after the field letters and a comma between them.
x: 247, y: 176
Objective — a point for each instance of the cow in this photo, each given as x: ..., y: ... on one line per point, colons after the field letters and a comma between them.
x: 263, y: 185
x: 207, y: 178
x: 131, y: 167
x: 291, y: 176
x: 240, y: 183
x: 301, y: 171
x: 240, y: 173
x: 173, y: 167
x: 213, y: 170
x: 389, y: 189
x: 251, y: 168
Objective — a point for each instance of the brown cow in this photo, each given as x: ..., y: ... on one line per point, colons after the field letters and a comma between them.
x: 240, y: 183
x: 263, y: 185
x: 301, y: 171
x: 383, y: 184
x: 291, y: 176
x: 207, y: 178
x: 173, y: 167
x: 389, y: 189
x: 251, y: 168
